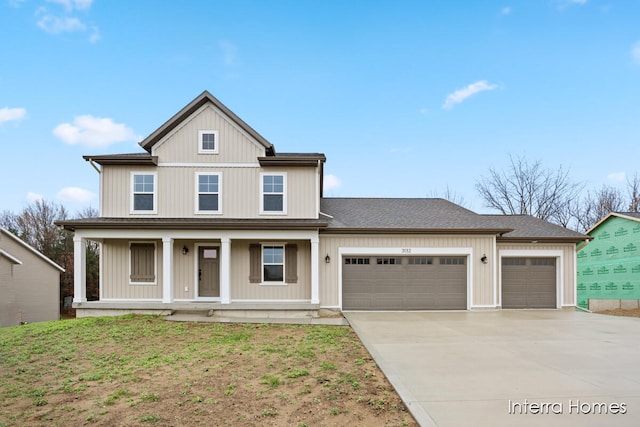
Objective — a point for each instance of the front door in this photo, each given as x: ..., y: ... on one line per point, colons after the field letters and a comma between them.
x: 208, y: 272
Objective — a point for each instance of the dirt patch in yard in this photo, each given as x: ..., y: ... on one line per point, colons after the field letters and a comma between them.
x: 621, y: 312
x: 137, y: 371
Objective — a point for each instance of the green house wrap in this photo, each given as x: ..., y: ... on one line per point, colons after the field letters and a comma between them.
x: 609, y: 266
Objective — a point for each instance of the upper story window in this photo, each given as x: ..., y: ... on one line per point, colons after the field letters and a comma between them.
x: 273, y: 197
x: 143, y: 192
x: 208, y: 142
x: 208, y: 193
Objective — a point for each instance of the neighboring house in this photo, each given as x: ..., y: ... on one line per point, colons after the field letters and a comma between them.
x: 211, y: 217
x: 609, y: 266
x: 29, y: 283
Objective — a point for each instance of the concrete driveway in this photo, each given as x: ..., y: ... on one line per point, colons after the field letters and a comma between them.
x: 546, y: 367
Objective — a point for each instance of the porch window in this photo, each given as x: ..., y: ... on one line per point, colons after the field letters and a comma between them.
x: 208, y: 193
x: 273, y: 263
x: 143, y: 192
x: 142, y: 263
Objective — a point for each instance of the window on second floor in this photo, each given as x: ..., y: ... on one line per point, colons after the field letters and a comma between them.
x: 273, y: 197
x: 208, y: 142
x: 208, y: 193
x: 143, y: 192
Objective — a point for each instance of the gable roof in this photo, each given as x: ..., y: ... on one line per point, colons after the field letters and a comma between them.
x: 403, y: 215
x: 202, y: 99
x: 29, y: 248
x: 526, y: 228
x: 633, y: 216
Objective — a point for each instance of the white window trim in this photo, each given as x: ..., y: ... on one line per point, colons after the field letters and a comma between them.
x: 155, y: 193
x: 155, y: 264
x: 201, y: 149
x: 284, y: 258
x: 284, y: 193
x: 197, y: 194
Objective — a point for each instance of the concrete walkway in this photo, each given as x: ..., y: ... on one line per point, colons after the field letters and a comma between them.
x: 474, y: 368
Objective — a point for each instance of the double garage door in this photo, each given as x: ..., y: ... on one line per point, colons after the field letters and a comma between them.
x: 529, y: 283
x: 404, y: 283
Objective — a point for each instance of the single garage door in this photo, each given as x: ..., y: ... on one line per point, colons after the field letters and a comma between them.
x: 404, y: 283
x: 528, y: 283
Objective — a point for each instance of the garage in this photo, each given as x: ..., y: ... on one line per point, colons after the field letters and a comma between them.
x: 528, y: 282
x: 404, y: 283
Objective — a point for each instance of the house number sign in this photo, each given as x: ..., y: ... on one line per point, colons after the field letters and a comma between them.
x: 406, y: 250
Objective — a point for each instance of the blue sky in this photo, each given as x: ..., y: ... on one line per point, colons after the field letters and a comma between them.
x: 406, y: 98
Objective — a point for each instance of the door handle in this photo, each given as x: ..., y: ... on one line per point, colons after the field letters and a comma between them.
x: 199, y: 274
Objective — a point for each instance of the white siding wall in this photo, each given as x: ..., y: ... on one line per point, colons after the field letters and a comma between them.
x: 29, y: 292
x: 181, y: 145
x: 241, y: 289
x: 482, y: 276
x: 568, y: 266
x: 115, y: 273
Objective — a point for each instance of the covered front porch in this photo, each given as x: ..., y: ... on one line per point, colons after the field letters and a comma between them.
x: 183, y: 261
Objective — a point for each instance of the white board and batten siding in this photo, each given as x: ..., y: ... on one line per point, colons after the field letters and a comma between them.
x: 181, y: 145
x: 243, y: 290
x: 481, y: 289
x: 115, y: 280
x: 566, y: 264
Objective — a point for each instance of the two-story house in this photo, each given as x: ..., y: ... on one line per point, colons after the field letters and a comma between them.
x: 211, y: 217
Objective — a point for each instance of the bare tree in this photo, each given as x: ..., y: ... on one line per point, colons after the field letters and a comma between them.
x: 529, y: 189
x: 596, y: 205
x: 633, y: 189
x: 450, y: 195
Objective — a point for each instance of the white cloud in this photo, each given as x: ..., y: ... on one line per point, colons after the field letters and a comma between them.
x: 55, y: 25
x: 75, y: 194
x: 95, y: 35
x: 505, y: 10
x: 461, y: 95
x: 330, y: 182
x: 617, y: 176
x: 229, y: 51
x: 73, y: 4
x: 635, y: 52
x: 562, y: 4
x: 94, y: 131
x: 34, y: 197
x: 12, y: 114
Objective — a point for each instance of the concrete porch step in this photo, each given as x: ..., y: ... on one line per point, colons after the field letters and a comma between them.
x: 183, y: 316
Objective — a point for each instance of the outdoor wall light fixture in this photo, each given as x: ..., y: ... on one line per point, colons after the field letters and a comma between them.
x: 484, y: 258
x: 327, y: 259
x: 185, y: 250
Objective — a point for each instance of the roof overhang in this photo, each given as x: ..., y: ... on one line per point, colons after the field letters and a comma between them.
x: 542, y: 239
x: 618, y: 214
x: 192, y: 224
x: 293, y: 160
x: 10, y: 257
x: 439, y: 231
x: 123, y: 159
x: 28, y: 247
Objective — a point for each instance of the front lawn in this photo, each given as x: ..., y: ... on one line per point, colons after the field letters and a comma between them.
x: 142, y: 370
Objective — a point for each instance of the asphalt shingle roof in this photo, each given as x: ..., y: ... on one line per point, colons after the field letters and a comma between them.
x: 383, y: 213
x: 526, y: 226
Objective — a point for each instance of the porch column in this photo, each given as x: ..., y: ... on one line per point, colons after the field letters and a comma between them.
x: 315, y: 287
x: 167, y: 269
x: 79, y: 269
x: 225, y: 270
